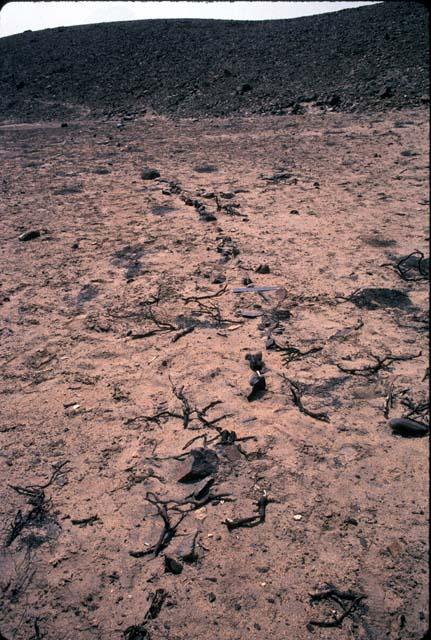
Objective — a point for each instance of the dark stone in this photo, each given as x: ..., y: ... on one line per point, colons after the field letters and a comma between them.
x: 218, y: 278
x: 334, y: 100
x: 173, y: 566
x: 137, y: 632
x: 408, y: 428
x: 29, y: 235
x: 65, y: 191
x: 203, y: 488
x: 270, y: 344
x: 200, y: 463
x: 247, y: 281
x: 409, y: 154
x: 101, y: 171
x: 212, y: 597
x: 297, y: 109
x: 208, y: 217
x: 149, y: 174
x: 243, y: 88
x: 263, y: 268
x: 280, y: 315
x: 255, y: 361
x: 206, y: 168
x: 258, y: 384
x: 386, y: 92
x: 250, y: 313
x: 162, y: 210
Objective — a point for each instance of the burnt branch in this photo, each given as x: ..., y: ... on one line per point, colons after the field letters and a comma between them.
x: 334, y: 594
x: 179, y: 393
x: 292, y: 353
x: 349, y: 298
x: 381, y: 363
x: 183, y: 333
x: 224, y: 437
x: 163, y: 326
x: 33, y: 490
x: 251, y: 521
x: 168, y: 532
x: 206, y: 297
x: 154, y: 418
x: 403, y: 269
x: 416, y: 409
x: 295, y: 390
x: 139, y: 632
x: 38, y: 501
x: 389, y: 403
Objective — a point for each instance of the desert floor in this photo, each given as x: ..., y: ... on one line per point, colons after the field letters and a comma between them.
x: 330, y: 203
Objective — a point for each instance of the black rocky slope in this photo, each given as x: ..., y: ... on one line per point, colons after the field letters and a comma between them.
x: 374, y: 56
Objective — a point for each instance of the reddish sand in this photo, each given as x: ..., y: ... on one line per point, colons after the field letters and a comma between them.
x: 76, y: 385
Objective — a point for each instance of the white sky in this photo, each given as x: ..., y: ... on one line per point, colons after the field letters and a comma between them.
x: 16, y: 17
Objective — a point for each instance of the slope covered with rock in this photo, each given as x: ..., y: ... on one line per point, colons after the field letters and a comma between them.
x: 373, y: 56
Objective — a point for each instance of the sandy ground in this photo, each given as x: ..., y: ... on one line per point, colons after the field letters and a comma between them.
x: 348, y: 498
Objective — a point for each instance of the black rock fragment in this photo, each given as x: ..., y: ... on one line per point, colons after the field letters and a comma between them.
x: 218, y: 278
x: 201, y: 463
x: 258, y: 384
x: 149, y: 174
x: 72, y: 189
x: 270, y: 344
x: 255, y: 361
x: 298, y: 109
x: 263, y: 268
x: 173, y: 566
x: 228, y: 249
x: 206, y: 168
x: 29, y: 235
x: 386, y: 92
x: 137, y: 632
x: 408, y: 428
x: 227, y: 437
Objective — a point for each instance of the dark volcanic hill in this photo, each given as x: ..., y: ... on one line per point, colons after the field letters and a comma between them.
x: 374, y: 56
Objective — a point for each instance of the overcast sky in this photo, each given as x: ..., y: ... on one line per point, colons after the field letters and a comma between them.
x: 16, y: 17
